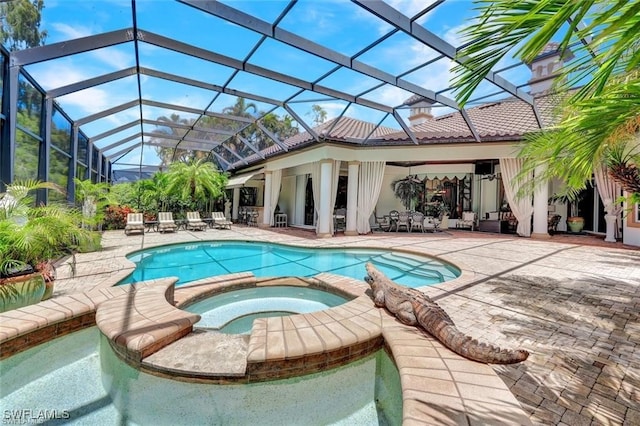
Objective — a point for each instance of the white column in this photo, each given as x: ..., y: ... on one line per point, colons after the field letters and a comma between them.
x: 267, y: 211
x: 325, y: 216
x: 352, y: 198
x: 301, y: 190
x: 236, y: 204
x: 540, y: 208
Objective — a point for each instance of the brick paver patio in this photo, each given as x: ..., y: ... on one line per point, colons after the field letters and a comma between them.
x: 574, y: 303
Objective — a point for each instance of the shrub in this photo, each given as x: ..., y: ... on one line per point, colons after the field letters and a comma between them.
x: 116, y: 216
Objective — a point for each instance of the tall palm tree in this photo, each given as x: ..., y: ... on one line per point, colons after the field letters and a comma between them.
x: 195, y: 181
x: 599, y: 122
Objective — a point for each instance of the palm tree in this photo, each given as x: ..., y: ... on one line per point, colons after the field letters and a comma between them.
x: 408, y: 190
x: 599, y: 122
x: 32, y: 234
x: 94, y: 197
x: 195, y: 181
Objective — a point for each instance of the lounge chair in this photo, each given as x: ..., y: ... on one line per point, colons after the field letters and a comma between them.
x: 468, y: 220
x: 219, y: 221
x: 194, y: 223
x: 135, y: 223
x: 166, y: 222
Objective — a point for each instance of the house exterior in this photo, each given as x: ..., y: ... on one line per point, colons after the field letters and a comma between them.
x: 465, y: 163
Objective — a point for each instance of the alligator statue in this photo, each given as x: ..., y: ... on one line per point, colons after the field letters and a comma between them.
x: 412, y: 307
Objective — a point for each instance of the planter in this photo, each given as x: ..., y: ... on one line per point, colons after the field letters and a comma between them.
x: 21, y: 291
x: 575, y: 223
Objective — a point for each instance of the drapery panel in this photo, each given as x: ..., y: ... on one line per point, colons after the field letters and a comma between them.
x: 315, y: 187
x: 370, y: 176
x: 521, y: 205
x: 276, y: 183
x: 609, y: 192
x: 334, y: 193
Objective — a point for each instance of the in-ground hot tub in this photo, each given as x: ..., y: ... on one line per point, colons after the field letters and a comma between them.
x: 233, y: 312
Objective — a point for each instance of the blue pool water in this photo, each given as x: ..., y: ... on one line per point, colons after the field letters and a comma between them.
x: 233, y: 312
x: 190, y: 262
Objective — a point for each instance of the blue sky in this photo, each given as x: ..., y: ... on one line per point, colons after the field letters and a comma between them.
x: 339, y: 25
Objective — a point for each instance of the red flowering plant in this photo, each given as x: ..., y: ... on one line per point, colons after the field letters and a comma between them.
x: 116, y: 216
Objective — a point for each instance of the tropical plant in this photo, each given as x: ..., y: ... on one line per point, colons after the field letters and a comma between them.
x: 196, y: 182
x: 599, y: 121
x: 33, y: 235
x: 408, y: 189
x: 94, y: 197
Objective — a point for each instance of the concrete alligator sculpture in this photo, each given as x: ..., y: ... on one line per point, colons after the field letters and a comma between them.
x: 413, y: 307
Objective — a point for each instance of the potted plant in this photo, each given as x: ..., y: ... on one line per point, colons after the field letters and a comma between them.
x: 31, y: 239
x: 572, y: 198
x: 408, y: 190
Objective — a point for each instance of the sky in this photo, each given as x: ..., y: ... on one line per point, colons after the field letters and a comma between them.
x: 339, y: 25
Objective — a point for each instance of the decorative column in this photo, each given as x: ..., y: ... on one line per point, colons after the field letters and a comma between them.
x: 540, y: 208
x: 236, y: 204
x: 325, y: 216
x: 301, y: 190
x: 610, y: 220
x: 352, y: 198
x: 267, y: 210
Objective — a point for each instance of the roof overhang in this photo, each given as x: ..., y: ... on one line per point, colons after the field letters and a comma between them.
x: 240, y: 180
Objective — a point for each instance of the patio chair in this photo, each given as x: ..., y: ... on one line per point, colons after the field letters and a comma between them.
x: 417, y: 222
x: 340, y: 219
x: 403, y: 220
x: 194, y: 223
x: 383, y: 223
x: 430, y: 224
x: 468, y: 220
x: 393, y: 217
x: 166, y: 222
x: 219, y: 221
x: 135, y: 223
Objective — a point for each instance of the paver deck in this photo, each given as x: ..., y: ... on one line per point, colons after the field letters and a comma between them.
x: 575, y: 307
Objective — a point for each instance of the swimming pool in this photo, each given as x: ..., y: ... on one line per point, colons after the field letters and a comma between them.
x: 190, y: 262
x: 77, y: 379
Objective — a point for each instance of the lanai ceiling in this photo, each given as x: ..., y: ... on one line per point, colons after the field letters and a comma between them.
x: 148, y: 81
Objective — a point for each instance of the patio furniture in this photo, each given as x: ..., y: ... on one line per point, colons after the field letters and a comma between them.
x: 340, y: 219
x: 151, y: 225
x: 383, y: 223
x: 417, y: 222
x: 552, y: 221
x: 393, y: 217
x: 194, y: 223
x: 468, y: 220
x: 166, y: 222
x: 135, y: 223
x: 219, y: 221
x: 280, y: 220
x: 430, y: 223
x: 403, y: 220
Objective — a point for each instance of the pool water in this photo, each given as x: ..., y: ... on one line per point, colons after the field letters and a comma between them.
x: 77, y: 379
x: 233, y: 312
x: 190, y: 262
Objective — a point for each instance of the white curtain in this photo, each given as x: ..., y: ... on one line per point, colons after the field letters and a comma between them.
x: 521, y: 205
x: 334, y: 192
x: 276, y: 181
x: 609, y: 192
x: 315, y: 187
x: 370, y: 176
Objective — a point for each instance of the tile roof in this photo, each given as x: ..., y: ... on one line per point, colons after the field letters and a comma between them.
x: 508, y: 119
